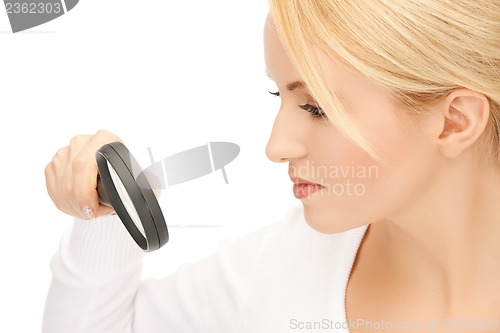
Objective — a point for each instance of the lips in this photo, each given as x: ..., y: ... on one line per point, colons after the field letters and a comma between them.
x: 304, y: 189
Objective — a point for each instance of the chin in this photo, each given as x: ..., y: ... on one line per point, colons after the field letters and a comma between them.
x: 327, y: 222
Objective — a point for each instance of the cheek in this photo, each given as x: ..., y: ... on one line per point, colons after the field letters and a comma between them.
x: 410, y: 158
x: 351, y: 178
x: 359, y: 189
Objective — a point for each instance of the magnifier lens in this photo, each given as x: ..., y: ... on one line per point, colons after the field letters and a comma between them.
x: 126, y: 200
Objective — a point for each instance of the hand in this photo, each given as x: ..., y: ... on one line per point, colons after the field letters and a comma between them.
x: 71, y: 176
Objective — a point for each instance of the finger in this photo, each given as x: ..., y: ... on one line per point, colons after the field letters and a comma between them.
x: 61, y: 191
x: 53, y: 191
x: 85, y: 173
x: 50, y: 182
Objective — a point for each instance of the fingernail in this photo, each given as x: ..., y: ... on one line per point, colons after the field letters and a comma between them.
x: 88, y: 213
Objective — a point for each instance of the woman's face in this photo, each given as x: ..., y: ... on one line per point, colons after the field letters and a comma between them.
x: 356, y: 189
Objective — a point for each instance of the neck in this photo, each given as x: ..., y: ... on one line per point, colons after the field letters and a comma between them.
x: 448, y: 239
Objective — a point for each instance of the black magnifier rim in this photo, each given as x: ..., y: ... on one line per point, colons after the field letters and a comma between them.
x: 143, y: 197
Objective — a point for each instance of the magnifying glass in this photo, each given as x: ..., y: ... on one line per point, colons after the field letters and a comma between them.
x: 123, y: 186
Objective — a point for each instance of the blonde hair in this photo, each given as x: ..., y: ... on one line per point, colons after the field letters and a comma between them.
x: 420, y: 50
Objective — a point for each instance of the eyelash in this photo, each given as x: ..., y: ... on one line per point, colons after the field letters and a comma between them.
x: 316, y: 112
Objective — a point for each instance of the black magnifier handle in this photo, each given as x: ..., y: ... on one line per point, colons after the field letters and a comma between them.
x: 103, y: 197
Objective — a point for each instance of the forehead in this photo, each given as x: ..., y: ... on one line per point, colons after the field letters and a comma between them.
x: 278, y: 64
x: 347, y: 83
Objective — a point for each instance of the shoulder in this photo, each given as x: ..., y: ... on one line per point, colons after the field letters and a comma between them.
x: 297, y: 270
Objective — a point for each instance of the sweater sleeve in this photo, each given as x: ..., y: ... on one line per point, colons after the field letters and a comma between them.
x: 96, y: 285
x: 96, y: 273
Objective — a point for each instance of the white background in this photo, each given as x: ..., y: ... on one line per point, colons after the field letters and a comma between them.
x: 170, y: 75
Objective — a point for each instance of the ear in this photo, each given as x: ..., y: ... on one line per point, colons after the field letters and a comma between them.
x: 466, y: 114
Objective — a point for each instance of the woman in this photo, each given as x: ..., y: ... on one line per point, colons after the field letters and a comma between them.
x: 389, y: 122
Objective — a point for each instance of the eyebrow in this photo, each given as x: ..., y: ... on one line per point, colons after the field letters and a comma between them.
x: 291, y: 86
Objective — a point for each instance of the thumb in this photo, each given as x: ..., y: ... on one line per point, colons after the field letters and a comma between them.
x: 104, y: 210
x: 91, y: 211
x: 88, y: 212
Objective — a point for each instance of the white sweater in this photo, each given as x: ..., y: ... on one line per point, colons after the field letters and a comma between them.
x: 285, y: 277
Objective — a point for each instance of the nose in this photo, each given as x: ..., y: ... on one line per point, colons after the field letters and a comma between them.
x: 287, y: 140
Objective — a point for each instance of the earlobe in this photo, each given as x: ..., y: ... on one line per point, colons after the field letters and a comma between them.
x: 465, y: 115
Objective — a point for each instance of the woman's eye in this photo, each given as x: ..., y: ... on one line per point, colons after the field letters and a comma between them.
x: 315, y: 112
